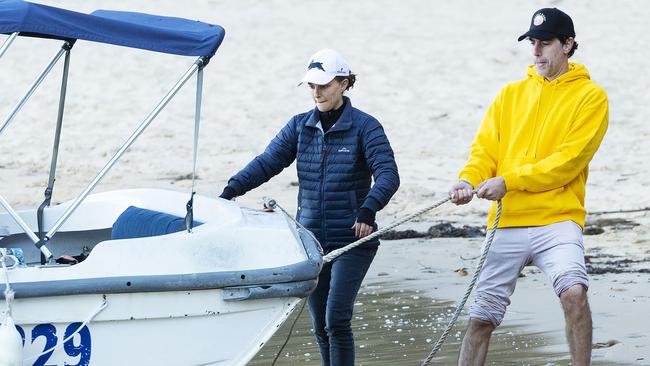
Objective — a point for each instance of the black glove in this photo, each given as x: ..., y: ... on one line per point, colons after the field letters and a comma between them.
x: 228, y: 193
x: 366, y: 216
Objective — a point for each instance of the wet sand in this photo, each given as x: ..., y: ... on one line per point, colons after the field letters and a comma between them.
x: 410, y: 292
x: 399, y: 327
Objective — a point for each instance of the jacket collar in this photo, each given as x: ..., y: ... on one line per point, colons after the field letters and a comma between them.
x: 344, y: 122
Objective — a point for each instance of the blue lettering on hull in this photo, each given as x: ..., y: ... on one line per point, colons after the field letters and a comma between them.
x: 78, y: 348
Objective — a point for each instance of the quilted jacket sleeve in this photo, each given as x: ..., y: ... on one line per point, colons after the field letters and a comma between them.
x: 279, y: 154
x: 381, y: 161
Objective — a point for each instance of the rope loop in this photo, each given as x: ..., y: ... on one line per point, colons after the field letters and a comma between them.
x: 270, y: 203
x: 8, y: 292
x: 470, y: 287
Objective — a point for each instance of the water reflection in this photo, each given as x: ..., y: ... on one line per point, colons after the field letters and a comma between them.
x: 399, y: 327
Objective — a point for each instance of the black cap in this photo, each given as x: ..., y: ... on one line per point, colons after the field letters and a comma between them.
x: 548, y: 23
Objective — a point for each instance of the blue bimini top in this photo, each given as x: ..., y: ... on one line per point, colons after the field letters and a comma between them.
x: 137, y: 30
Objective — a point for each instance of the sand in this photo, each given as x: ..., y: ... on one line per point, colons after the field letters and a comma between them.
x: 427, y: 70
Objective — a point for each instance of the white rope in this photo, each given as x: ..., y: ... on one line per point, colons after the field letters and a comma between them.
x: 9, y: 293
x: 101, y: 307
x: 470, y: 287
x: 271, y: 203
x: 335, y: 253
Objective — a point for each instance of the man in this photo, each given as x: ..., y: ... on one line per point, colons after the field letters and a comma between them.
x: 532, y: 151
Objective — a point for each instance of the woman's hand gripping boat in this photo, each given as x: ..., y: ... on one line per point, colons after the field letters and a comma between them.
x: 165, y: 280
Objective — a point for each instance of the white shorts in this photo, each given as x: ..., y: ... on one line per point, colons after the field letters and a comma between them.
x: 556, y: 249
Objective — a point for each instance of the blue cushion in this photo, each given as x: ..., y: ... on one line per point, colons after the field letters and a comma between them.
x: 137, y: 222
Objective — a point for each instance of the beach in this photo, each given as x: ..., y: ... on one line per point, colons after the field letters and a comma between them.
x: 412, y: 289
x: 427, y: 70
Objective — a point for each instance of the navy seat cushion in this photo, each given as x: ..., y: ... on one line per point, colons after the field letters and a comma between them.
x: 137, y: 222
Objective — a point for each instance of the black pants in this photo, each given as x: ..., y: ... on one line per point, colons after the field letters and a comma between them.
x: 332, y: 302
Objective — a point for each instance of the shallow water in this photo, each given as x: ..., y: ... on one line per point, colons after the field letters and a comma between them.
x: 399, y: 327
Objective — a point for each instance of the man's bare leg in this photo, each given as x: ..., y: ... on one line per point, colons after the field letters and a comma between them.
x: 475, y: 343
x: 578, y: 324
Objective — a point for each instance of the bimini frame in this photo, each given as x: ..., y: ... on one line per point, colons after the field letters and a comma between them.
x: 41, y: 240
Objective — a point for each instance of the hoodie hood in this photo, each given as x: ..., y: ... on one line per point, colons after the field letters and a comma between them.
x: 576, y: 72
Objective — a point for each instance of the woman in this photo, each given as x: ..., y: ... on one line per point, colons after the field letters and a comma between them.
x: 339, y: 149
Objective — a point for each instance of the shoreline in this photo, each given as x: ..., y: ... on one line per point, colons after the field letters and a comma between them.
x: 616, y: 299
x: 411, y: 289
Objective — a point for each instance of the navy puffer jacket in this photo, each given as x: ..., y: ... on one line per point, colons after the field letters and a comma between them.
x: 335, y: 171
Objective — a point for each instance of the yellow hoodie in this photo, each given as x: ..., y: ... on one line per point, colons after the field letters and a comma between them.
x: 540, y: 136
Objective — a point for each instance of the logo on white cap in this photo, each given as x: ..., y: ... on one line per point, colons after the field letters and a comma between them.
x: 318, y: 65
x: 324, y: 66
x: 539, y: 19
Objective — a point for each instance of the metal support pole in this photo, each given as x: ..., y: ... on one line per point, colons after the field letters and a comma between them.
x: 197, y: 122
x: 59, y: 118
x: 31, y: 90
x: 7, y: 43
x: 125, y: 146
x: 189, y: 217
x: 55, y: 149
x: 25, y: 228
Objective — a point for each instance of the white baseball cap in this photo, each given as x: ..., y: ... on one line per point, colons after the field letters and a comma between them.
x: 324, y: 66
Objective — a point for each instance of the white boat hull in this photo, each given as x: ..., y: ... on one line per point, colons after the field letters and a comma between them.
x: 165, y: 328
x: 210, y: 297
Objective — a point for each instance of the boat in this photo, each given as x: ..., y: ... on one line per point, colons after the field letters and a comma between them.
x: 143, y: 276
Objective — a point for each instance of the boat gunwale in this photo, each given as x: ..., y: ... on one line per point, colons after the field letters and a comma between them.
x: 296, y: 275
